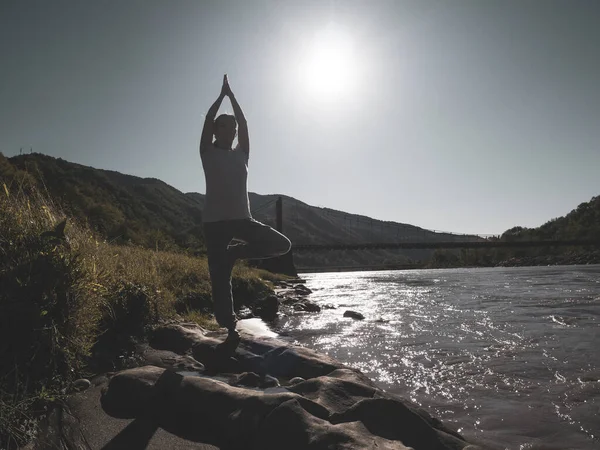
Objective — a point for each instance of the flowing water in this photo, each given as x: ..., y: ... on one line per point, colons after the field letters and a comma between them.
x: 508, y: 356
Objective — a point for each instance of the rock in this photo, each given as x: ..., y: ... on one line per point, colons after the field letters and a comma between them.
x: 130, y: 392
x: 296, y: 280
x: 381, y: 417
x: 329, y: 306
x: 324, y: 406
x: 215, y: 359
x: 176, y: 338
x: 268, y: 381
x: 81, y: 385
x: 289, y: 300
x: 354, y: 375
x: 169, y: 360
x: 292, y: 427
x: 333, y: 393
x: 249, y: 379
x: 311, y: 306
x: 230, y: 417
x: 301, y: 289
x: 306, y: 305
x: 355, y: 315
x: 296, y: 380
x: 289, y: 362
x: 267, y: 308
x: 260, y: 355
x: 245, y: 313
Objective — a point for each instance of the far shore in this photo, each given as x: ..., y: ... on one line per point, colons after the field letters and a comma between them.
x: 514, y: 262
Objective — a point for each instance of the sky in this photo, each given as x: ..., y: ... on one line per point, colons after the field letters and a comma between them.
x: 463, y: 116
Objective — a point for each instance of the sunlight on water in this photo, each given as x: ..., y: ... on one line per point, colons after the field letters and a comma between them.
x: 499, y: 353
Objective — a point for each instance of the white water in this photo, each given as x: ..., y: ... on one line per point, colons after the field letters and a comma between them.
x: 508, y: 356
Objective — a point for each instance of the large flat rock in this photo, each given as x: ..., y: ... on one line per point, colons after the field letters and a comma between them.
x: 83, y: 425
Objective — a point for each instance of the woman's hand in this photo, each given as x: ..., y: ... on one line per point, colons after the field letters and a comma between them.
x: 226, y: 89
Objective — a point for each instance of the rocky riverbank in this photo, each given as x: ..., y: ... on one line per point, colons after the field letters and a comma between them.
x: 567, y: 259
x: 180, y: 390
x: 266, y: 395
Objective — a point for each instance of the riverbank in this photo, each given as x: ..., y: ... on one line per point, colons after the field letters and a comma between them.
x: 572, y: 258
x: 183, y: 392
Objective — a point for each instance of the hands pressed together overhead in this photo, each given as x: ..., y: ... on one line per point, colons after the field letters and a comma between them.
x: 208, y: 130
x: 226, y: 89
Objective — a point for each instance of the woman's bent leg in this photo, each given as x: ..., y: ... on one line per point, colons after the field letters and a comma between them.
x: 260, y: 241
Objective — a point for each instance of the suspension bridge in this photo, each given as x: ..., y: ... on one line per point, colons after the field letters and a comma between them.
x: 369, y: 234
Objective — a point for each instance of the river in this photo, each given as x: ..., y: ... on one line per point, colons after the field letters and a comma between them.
x: 507, y: 356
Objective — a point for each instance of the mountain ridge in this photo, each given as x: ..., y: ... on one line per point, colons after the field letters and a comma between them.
x: 129, y: 209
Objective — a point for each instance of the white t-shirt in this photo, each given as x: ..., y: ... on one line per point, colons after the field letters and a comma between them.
x: 226, y: 174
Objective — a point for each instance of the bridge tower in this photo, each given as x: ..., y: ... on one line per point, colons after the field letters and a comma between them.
x: 280, y: 264
x: 279, y: 215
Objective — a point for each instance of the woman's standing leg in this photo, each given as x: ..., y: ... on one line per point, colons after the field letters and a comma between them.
x: 217, y: 236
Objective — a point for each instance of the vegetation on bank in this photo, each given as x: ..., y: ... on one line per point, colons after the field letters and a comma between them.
x: 582, y: 223
x: 122, y: 208
x: 71, y: 302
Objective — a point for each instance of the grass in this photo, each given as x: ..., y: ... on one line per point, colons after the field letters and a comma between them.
x: 70, y: 301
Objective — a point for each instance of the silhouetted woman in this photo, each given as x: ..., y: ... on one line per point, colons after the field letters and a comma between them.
x: 226, y: 212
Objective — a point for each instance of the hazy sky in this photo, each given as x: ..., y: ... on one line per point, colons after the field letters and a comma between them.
x: 465, y: 116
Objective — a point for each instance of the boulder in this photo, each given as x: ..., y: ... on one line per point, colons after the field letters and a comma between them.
x: 354, y: 375
x: 311, y: 306
x: 267, y: 308
x: 177, y: 338
x: 169, y: 360
x: 291, y: 427
x: 302, y: 289
x: 382, y: 416
x: 355, y: 315
x: 130, y: 392
x: 289, y: 362
x: 333, y: 393
x: 229, y: 416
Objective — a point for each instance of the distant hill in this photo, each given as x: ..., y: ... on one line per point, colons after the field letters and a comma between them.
x: 149, y: 212
x: 123, y: 208
x: 581, y: 223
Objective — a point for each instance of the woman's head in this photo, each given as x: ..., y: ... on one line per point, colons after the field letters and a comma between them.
x: 225, y: 129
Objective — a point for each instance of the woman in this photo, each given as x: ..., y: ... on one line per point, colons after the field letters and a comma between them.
x: 226, y: 212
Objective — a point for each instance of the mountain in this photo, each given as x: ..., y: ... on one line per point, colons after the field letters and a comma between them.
x: 123, y: 208
x: 148, y: 212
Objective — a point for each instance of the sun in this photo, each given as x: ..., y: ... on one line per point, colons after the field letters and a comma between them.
x: 329, y: 67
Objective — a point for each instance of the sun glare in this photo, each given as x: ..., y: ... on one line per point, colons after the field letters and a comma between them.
x: 329, y: 68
